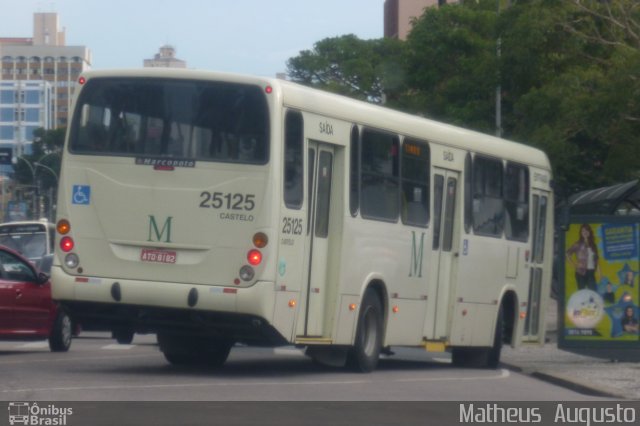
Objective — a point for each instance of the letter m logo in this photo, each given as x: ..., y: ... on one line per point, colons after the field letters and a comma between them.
x: 157, y: 234
x: 416, y: 256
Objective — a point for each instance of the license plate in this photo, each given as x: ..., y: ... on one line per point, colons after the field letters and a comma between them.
x: 158, y: 256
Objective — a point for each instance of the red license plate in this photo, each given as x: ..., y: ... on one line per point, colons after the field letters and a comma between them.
x: 158, y: 256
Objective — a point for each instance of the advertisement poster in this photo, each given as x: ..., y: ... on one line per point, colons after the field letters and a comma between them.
x: 602, y: 266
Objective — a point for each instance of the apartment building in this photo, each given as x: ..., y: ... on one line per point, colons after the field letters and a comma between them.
x: 165, y: 58
x: 44, y: 61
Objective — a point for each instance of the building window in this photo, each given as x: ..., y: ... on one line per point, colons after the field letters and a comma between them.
x: 6, y: 132
x: 32, y: 97
x: 7, y: 96
x: 32, y: 114
x: 6, y: 114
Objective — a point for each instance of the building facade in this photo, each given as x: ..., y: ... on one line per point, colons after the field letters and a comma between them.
x: 165, y: 58
x: 398, y: 15
x: 45, y: 58
x: 37, y: 79
x: 25, y: 105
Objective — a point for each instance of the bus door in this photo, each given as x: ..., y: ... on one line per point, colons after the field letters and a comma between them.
x: 446, y: 208
x: 320, y: 174
x: 532, y: 324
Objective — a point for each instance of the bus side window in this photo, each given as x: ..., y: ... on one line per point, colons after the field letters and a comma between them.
x: 488, y: 201
x: 293, y: 160
x: 415, y: 183
x: 380, y: 176
x: 516, y: 194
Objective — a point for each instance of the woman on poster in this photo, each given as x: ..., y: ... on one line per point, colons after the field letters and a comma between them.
x: 584, y: 257
x: 629, y: 321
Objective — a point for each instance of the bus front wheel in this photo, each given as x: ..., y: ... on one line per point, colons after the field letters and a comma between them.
x: 363, y: 356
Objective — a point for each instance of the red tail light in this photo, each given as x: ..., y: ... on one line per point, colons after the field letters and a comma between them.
x: 254, y: 257
x: 66, y: 244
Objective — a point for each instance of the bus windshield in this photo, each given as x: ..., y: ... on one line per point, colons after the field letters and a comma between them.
x: 28, y: 240
x: 169, y: 118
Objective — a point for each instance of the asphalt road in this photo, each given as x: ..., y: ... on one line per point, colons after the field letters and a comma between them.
x: 98, y: 369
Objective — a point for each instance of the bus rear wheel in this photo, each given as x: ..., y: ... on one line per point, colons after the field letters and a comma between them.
x: 363, y: 356
x: 60, y: 337
x: 189, y: 350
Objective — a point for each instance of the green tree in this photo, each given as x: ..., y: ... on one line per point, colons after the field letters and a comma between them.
x: 44, y: 162
x: 363, y: 69
x: 452, y: 65
x: 570, y: 80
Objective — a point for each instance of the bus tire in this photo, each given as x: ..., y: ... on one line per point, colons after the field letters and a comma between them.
x: 60, y: 337
x: 363, y: 356
x: 123, y: 336
x: 493, y: 355
x: 466, y: 357
x: 181, y: 350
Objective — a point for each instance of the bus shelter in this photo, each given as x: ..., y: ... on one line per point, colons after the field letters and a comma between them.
x: 598, y: 262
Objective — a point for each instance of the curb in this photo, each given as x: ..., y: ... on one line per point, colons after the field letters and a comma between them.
x: 566, y: 382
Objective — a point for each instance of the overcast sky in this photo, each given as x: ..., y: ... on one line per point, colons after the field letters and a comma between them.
x: 246, y: 36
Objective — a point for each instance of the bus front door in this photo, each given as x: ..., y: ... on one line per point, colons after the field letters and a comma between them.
x: 534, y: 322
x: 320, y: 175
x: 445, y: 222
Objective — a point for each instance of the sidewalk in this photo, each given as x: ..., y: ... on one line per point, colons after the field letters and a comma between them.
x: 594, y: 376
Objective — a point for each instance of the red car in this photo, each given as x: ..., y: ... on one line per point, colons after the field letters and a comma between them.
x: 27, y: 311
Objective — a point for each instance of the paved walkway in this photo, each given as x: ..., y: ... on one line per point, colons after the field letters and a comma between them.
x: 594, y: 376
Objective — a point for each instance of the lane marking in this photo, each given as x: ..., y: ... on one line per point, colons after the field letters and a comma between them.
x: 117, y: 347
x: 503, y: 375
x: 34, y: 345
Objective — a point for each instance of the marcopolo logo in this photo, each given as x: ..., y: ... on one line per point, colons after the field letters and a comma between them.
x: 31, y: 414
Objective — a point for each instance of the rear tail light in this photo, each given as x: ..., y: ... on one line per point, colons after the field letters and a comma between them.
x: 254, y: 257
x: 66, y: 244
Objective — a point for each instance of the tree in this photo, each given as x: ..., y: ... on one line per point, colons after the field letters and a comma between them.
x: 363, y: 69
x: 571, y: 88
x: 45, y: 160
x: 452, y: 65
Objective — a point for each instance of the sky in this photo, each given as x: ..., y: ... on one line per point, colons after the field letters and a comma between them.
x: 254, y: 37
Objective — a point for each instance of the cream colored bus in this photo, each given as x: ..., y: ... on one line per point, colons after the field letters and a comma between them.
x: 216, y: 209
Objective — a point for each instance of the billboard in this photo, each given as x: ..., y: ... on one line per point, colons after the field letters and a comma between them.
x: 601, y: 281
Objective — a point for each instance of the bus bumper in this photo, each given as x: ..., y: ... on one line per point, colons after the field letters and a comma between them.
x: 241, y: 314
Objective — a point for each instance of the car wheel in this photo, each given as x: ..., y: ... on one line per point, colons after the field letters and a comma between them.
x: 60, y: 337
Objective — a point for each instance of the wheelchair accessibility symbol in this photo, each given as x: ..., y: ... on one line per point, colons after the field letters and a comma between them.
x: 81, y: 194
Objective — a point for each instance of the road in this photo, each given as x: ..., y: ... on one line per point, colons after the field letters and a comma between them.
x: 98, y: 369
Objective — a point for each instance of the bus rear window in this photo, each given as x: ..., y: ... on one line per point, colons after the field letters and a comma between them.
x: 166, y: 118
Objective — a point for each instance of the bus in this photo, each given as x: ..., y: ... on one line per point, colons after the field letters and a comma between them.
x: 214, y: 209
x: 33, y: 239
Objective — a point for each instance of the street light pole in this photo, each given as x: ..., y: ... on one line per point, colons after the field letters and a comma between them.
x: 51, y: 197
x: 34, y: 209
